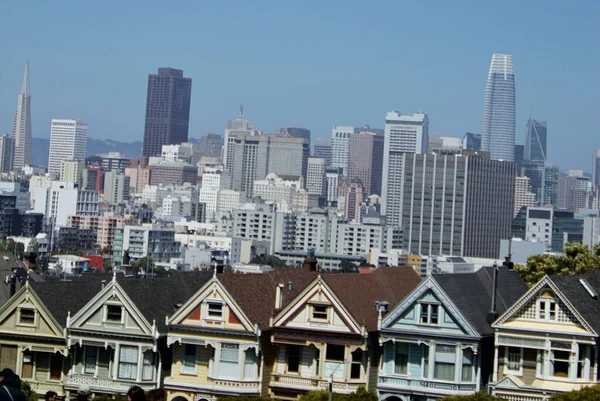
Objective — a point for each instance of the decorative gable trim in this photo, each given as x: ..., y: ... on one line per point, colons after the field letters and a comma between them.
x: 213, y: 286
x: 302, y: 301
x: 27, y: 294
x: 112, y: 292
x: 428, y: 284
x: 529, y: 296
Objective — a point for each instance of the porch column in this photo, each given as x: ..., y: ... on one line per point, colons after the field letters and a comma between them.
x: 140, y: 364
x: 116, y: 362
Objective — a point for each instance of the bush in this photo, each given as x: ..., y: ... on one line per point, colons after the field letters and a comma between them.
x: 591, y: 393
x: 473, y: 397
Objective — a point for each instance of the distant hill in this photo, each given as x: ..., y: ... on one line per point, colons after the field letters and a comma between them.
x: 41, y: 147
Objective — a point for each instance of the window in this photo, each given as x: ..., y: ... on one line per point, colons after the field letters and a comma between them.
x: 320, y: 312
x: 250, y: 364
x: 128, y: 360
x: 334, y: 360
x: 467, y: 365
x: 559, y: 364
x: 547, y: 306
x: 148, y: 368
x: 356, y: 366
x: 27, y: 316
x: 27, y: 369
x: 425, y: 361
x: 513, y: 361
x: 429, y: 314
x: 188, y: 365
x: 582, y: 364
x: 293, y: 358
x: 401, y: 359
x: 114, y: 313
x: 91, y: 357
x: 56, y: 361
x: 215, y: 310
x: 229, y: 361
x: 445, y: 359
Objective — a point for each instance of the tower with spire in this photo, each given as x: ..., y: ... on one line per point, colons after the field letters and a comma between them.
x: 21, y: 131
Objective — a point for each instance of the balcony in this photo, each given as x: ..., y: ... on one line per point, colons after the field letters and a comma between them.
x: 43, y: 388
x: 104, y: 385
x: 236, y: 387
x: 432, y: 386
x: 310, y: 384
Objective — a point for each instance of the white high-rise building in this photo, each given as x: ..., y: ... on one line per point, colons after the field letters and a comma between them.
x: 68, y: 141
x: 213, y: 181
x: 498, y: 127
x: 21, y: 131
x: 340, y: 139
x: 523, y: 194
x: 315, y: 176
x: 403, y: 134
x: 72, y: 171
x: 237, y: 126
x: 63, y: 199
x: 332, y: 177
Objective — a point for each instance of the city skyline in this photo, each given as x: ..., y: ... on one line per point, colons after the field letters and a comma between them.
x: 448, y: 85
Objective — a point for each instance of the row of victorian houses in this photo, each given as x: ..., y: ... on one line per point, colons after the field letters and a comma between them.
x: 283, y: 333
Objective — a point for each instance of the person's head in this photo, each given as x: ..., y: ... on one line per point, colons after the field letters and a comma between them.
x: 136, y: 394
x: 50, y: 396
x: 8, y: 377
x: 157, y: 394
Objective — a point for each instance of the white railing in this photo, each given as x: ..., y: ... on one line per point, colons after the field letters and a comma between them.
x: 309, y: 384
x: 106, y: 384
x: 43, y: 388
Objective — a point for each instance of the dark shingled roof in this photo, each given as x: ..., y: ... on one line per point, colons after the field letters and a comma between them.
x: 360, y: 292
x: 579, y: 297
x: 472, y: 294
x: 255, y: 293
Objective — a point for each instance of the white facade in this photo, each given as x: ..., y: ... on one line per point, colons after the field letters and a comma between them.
x: 72, y: 171
x: 61, y: 199
x: 340, y: 138
x: 68, y: 141
x: 14, y: 189
x: 228, y: 199
x: 37, y: 181
x: 523, y: 194
x: 235, y: 127
x: 116, y: 187
x: 213, y: 181
x: 332, y: 178
x: 180, y: 152
x: 315, y: 176
x: 286, y: 192
x: 539, y: 226
x: 403, y: 134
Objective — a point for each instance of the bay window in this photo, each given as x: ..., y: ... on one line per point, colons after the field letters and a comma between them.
x: 128, y: 359
x: 188, y: 360
x: 229, y: 366
x: 445, y: 361
x: 467, y: 365
x: 513, y: 360
x: 357, y: 363
x: 293, y: 358
x: 401, y: 359
x: 334, y: 360
x: 90, y: 358
x: 27, y: 368
x: 250, y: 364
x: 148, y: 366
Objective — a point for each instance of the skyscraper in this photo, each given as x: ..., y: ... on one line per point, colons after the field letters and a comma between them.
x: 523, y: 194
x: 543, y: 178
x: 237, y: 126
x: 365, y: 161
x: 68, y: 141
x: 167, y: 110
x: 456, y: 205
x: 472, y: 141
x: 7, y: 149
x: 339, y: 147
x: 498, y: 127
x: 596, y: 169
x: 322, y: 149
x: 403, y: 134
x: 21, y: 131
x: 535, y: 140
x: 573, y: 191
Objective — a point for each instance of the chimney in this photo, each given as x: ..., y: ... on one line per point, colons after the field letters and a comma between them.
x: 492, y: 314
x: 103, y: 283
x: 13, y: 283
x: 279, y: 296
x: 290, y: 286
x: 310, y: 263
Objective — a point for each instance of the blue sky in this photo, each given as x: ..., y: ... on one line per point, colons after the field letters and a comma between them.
x: 313, y: 64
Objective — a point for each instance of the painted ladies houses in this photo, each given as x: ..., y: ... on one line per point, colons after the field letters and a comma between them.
x: 32, y: 333
x: 328, y: 332
x: 438, y: 340
x: 547, y: 341
x: 116, y: 338
x: 217, y: 336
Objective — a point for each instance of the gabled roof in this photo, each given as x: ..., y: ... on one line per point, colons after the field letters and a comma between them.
x: 255, y: 293
x: 580, y: 299
x: 62, y: 297
x: 472, y: 294
x: 360, y: 292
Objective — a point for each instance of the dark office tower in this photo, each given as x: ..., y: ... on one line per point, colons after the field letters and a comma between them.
x: 210, y: 145
x: 472, y: 141
x: 167, y: 110
x: 543, y: 177
x: 293, y: 132
x: 519, y: 152
x: 535, y: 140
x: 365, y: 161
x: 456, y: 205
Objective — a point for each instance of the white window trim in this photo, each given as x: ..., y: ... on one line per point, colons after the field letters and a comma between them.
x: 84, y: 361
x: 105, y: 317
x: 206, y: 312
x: 407, y: 374
x: 428, y: 305
x: 317, y: 320
x: 35, y: 317
x: 506, y: 369
x: 184, y: 369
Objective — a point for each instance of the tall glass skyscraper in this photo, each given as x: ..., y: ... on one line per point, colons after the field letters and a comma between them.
x: 498, y: 128
x: 535, y: 140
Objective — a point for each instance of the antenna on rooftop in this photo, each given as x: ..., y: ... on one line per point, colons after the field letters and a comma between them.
x: 242, y: 111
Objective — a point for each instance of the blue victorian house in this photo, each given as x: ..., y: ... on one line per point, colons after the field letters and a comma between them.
x: 438, y: 340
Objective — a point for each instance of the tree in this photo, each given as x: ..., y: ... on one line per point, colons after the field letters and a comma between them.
x: 473, y: 397
x: 348, y: 267
x: 42, y: 263
x: 591, y: 393
x: 19, y: 250
x: 107, y: 266
x: 360, y: 395
x: 30, y: 395
x: 33, y: 246
x: 10, y: 245
x: 143, y: 264
x: 269, y: 260
x: 577, y: 258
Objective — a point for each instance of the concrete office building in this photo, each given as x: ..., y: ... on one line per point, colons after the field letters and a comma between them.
x: 323, y: 150
x: 403, y: 134
x: 286, y: 192
x: 498, y: 127
x: 177, y: 172
x: 114, y: 161
x: 68, y: 141
x: 340, y: 137
x: 596, y: 169
x: 365, y: 161
x: 236, y: 127
x: 7, y: 150
x: 472, y: 141
x: 21, y: 131
x: 352, y: 199
x: 72, y: 171
x: 573, y: 191
x: 523, y: 194
x: 543, y: 177
x: 210, y: 145
x: 332, y: 178
x: 116, y: 188
x: 63, y: 199
x: 315, y: 176
x: 167, y: 110
x: 456, y: 205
